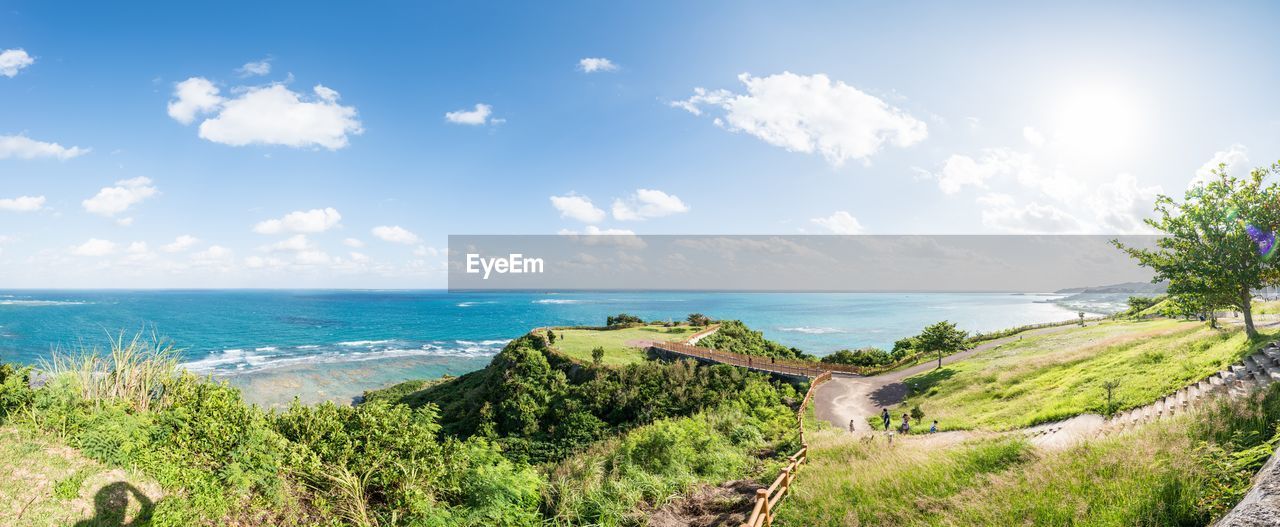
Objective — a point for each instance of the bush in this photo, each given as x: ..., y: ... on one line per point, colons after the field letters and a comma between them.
x: 736, y: 337
x: 622, y: 319
x: 866, y: 357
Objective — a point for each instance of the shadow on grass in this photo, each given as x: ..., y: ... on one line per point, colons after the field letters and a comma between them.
x: 924, y: 382
x: 111, y: 506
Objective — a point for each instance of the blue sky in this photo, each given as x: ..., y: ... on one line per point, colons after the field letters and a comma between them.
x: 150, y: 145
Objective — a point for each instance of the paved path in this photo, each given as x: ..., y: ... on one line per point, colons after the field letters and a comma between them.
x: 851, y: 397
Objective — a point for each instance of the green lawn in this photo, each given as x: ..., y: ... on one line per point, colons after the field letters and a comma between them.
x: 621, y: 346
x: 1053, y: 376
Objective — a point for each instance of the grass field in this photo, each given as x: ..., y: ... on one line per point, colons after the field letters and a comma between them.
x: 1184, y: 471
x: 49, y: 483
x: 620, y: 345
x: 1053, y: 376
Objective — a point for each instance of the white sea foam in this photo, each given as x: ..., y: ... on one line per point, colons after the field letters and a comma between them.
x: 557, y: 301
x: 812, y: 330
x: 268, y: 358
x: 41, y: 303
x: 308, y: 347
x: 357, y: 343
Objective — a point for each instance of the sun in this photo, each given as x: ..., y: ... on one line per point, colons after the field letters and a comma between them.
x: 1097, y: 118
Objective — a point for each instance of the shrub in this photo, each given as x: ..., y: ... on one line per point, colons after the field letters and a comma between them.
x: 623, y: 319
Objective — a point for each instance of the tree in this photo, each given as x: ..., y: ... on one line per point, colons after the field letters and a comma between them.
x: 1217, y: 243
x: 597, y: 355
x: 917, y: 413
x: 1110, y: 387
x: 942, y: 338
x: 623, y: 319
x: 699, y: 319
x: 551, y: 337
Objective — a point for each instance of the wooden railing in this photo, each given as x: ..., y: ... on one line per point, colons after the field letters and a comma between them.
x: 767, y: 499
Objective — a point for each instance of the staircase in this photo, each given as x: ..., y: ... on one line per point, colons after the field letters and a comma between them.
x: 1253, y: 372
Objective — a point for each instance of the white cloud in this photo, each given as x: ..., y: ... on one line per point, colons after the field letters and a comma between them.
x: 1236, y: 159
x: 358, y: 257
x: 960, y: 170
x: 1033, y: 136
x: 578, y: 208
x: 213, y: 253
x: 94, y: 247
x: 312, y: 258
x: 395, y: 234
x: 314, y: 220
x: 113, y: 200
x: 268, y: 115
x: 138, y: 248
x: 354, y: 243
x: 22, y: 204
x: 840, y: 222
x: 423, y: 250
x: 597, y: 231
x: 810, y: 114
x: 13, y: 60
x: 1002, y: 214
x: 181, y: 243
x: 480, y: 115
x: 23, y: 147
x: 257, y: 68
x: 592, y: 65
x: 192, y: 97
x: 269, y: 262
x: 124, y: 222
x: 295, y: 243
x: 646, y: 203
x: 1120, y: 205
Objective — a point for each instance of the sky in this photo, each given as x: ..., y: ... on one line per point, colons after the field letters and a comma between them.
x: 282, y: 144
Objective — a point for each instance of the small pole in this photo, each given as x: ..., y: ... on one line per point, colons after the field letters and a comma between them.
x: 763, y: 496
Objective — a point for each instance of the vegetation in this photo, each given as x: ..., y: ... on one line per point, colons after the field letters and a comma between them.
x: 736, y: 337
x: 699, y: 319
x: 1053, y: 376
x: 622, y: 346
x: 1187, y: 471
x: 541, y: 406
x: 867, y: 357
x: 942, y: 338
x: 622, y: 319
x: 1217, y: 243
x: 220, y: 461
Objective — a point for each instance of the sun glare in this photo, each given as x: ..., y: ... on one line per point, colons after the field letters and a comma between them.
x: 1097, y: 119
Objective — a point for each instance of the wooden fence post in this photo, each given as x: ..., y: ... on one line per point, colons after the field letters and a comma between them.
x: 762, y: 495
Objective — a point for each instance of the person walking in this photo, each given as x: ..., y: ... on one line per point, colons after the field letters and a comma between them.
x: 884, y: 416
x: 934, y: 429
x: 851, y: 426
x: 906, y: 424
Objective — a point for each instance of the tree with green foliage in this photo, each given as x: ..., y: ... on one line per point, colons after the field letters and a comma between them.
x: 551, y: 337
x: 597, y: 355
x: 623, y: 319
x: 698, y: 319
x: 1216, y: 245
x: 942, y: 338
x: 917, y: 413
x: 862, y: 357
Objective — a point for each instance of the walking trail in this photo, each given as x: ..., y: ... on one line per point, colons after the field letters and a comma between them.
x: 851, y: 397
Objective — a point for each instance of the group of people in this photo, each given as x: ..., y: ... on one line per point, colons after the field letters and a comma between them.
x: 904, y: 428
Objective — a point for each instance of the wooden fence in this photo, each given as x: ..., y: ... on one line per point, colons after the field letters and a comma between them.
x: 767, y: 499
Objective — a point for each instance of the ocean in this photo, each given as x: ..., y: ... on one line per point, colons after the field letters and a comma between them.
x: 332, y: 345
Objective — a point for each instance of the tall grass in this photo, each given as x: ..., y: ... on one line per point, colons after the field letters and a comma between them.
x: 134, y: 370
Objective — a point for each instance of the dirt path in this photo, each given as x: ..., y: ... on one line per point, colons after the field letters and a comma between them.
x: 852, y: 397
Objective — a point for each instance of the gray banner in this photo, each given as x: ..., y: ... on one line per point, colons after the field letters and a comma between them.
x: 978, y: 263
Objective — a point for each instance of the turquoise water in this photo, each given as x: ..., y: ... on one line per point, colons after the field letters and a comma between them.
x: 334, y: 344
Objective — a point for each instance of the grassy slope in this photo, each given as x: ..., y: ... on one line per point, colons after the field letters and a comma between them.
x: 619, y: 344
x: 49, y: 483
x: 1184, y: 471
x: 1053, y: 376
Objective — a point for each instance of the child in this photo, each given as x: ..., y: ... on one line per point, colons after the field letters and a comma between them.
x: 934, y: 429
